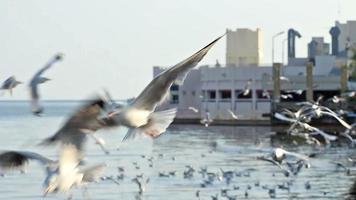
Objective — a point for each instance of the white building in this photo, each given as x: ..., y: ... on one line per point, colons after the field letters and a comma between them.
x: 244, y: 47
x: 219, y: 88
x: 347, y: 37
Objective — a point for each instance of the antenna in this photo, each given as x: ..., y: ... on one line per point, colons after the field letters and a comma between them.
x: 338, y: 10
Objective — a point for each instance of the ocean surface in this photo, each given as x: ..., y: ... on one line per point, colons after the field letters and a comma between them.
x: 214, y: 148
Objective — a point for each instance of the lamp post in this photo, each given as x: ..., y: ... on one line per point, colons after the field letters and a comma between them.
x: 283, y: 49
x: 273, y: 37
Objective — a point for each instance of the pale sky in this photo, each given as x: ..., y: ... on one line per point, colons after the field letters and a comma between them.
x: 115, y: 43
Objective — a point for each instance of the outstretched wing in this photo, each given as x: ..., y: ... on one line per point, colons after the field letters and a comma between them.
x: 157, y: 89
x: 93, y: 173
x: 55, y: 59
x: 7, y: 83
x: 18, y: 159
x: 84, y: 120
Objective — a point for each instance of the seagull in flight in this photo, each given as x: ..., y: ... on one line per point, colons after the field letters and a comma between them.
x: 39, y: 79
x: 141, y: 116
x: 193, y: 109
x: 9, y: 84
x: 55, y: 180
x: 233, y: 115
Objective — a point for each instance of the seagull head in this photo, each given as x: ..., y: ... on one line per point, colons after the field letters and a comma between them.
x: 58, y: 56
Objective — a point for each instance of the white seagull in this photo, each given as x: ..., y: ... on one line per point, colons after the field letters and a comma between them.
x: 193, y: 109
x: 39, y: 79
x: 233, y: 115
x: 55, y: 180
x: 141, y: 116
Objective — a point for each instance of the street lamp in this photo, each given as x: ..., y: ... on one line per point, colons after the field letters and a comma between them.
x: 273, y: 37
x: 283, y: 49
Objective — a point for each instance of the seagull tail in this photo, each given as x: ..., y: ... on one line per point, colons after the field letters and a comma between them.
x: 157, y: 124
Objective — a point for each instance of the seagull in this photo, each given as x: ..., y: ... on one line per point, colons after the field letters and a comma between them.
x: 55, y: 179
x: 9, y: 84
x: 232, y: 114
x: 39, y: 79
x: 286, y: 96
x: 280, y: 154
x: 206, y: 120
x: 283, y: 78
x: 266, y: 94
x: 71, y: 137
x: 193, y: 109
x: 141, y: 116
x: 142, y: 184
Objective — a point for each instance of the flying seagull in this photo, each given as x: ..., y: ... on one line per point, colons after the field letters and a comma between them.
x: 54, y: 181
x: 193, y: 109
x: 233, y: 115
x: 141, y: 116
x: 9, y: 84
x: 39, y: 79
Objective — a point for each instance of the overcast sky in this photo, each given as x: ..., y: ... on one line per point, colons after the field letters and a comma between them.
x: 115, y: 43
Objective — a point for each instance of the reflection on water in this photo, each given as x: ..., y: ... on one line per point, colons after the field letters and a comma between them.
x: 214, y: 148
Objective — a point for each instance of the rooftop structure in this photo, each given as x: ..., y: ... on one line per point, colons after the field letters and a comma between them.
x: 244, y: 47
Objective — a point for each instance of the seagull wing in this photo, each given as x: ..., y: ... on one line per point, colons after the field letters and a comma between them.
x: 283, y: 118
x: 8, y: 82
x: 300, y: 156
x: 332, y: 114
x: 45, y: 68
x: 93, y: 173
x: 17, y: 159
x: 232, y: 114
x: 285, y: 171
x: 157, y: 89
x: 83, y: 121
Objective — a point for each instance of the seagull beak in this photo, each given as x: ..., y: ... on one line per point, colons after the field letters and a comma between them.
x: 46, y: 192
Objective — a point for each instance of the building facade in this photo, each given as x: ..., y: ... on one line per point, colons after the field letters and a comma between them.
x: 244, y: 47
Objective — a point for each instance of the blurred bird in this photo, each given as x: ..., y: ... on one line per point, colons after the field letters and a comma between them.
x: 206, y: 120
x: 39, y: 79
x: 193, y: 109
x: 9, y: 84
x: 59, y: 178
x: 232, y: 114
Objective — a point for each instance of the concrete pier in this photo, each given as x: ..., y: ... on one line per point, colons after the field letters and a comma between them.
x: 309, y: 82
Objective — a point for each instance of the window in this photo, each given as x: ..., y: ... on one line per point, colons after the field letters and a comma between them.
x: 174, y: 87
x: 174, y: 99
x: 225, y: 94
x: 184, y: 92
x: 211, y: 95
x: 193, y: 93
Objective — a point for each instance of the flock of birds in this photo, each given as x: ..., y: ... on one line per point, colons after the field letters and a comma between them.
x: 140, y: 117
x: 143, y: 119
x: 300, y: 122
